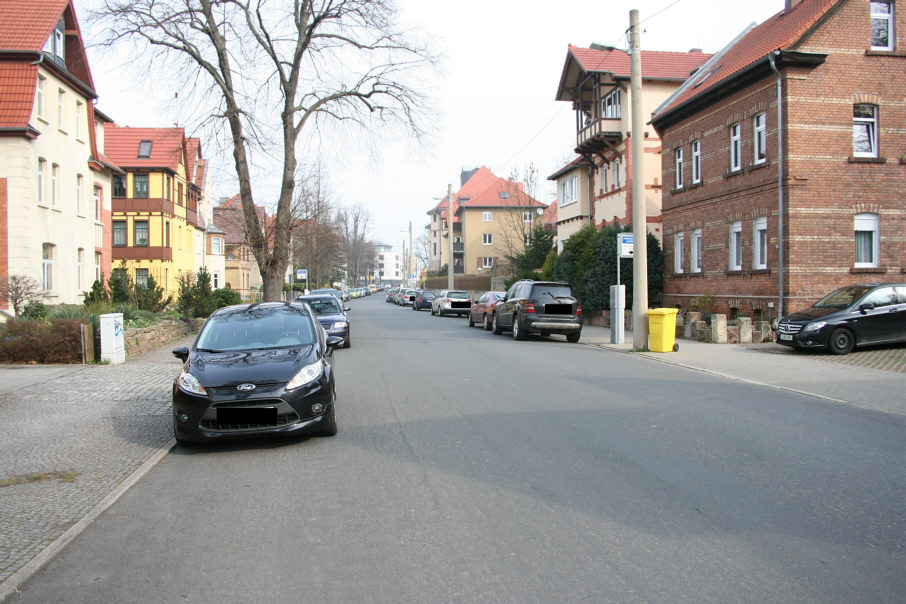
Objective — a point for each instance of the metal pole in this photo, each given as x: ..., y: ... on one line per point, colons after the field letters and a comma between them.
x: 411, y: 251
x: 450, y: 267
x: 639, y: 213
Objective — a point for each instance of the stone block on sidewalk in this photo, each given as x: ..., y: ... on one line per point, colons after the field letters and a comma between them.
x: 700, y: 332
x: 719, y: 329
x: 761, y: 332
x: 745, y: 330
x: 691, y: 319
x: 732, y: 334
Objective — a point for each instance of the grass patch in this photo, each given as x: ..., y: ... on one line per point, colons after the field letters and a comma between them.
x: 59, y: 475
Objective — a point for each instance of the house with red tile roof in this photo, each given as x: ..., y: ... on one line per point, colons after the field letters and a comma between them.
x: 241, y: 271
x: 55, y: 183
x: 596, y: 187
x: 493, y: 219
x: 156, y: 221
x: 784, y: 161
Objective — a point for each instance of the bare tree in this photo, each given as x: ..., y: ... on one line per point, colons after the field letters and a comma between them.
x: 359, y: 252
x: 19, y: 290
x: 316, y: 243
x: 520, y: 215
x: 422, y: 249
x: 299, y: 64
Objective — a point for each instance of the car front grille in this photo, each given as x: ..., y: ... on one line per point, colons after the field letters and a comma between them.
x: 285, y: 415
x: 788, y: 328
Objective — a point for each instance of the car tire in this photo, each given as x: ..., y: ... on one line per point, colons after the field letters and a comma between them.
x: 348, y: 342
x: 841, y: 341
x: 330, y: 428
x: 471, y: 322
x: 486, y: 323
x: 573, y: 337
x: 440, y: 312
x: 495, y: 326
x: 518, y: 331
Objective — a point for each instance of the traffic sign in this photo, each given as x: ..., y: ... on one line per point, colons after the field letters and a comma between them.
x: 625, y: 245
x: 301, y: 274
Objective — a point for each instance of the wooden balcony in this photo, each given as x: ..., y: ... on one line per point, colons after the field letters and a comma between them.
x: 125, y: 204
x: 599, y: 136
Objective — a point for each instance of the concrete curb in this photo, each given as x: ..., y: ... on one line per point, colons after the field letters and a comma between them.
x: 10, y: 587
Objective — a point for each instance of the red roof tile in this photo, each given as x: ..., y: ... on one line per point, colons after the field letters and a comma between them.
x: 783, y: 31
x: 17, y: 93
x: 27, y: 24
x: 121, y: 145
x: 656, y: 64
x: 486, y: 190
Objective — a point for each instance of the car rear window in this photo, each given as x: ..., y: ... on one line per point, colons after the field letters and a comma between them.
x: 458, y: 295
x: 552, y: 291
x: 324, y: 306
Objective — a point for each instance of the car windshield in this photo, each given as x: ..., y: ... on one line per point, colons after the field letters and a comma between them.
x: 843, y: 297
x: 256, y: 327
x: 552, y: 291
x: 458, y: 295
x: 324, y: 306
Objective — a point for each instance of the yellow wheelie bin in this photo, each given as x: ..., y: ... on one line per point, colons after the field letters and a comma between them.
x: 662, y: 329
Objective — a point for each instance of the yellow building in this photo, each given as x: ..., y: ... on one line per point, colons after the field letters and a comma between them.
x: 155, y: 204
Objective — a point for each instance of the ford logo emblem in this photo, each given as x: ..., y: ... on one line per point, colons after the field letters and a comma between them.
x: 245, y: 387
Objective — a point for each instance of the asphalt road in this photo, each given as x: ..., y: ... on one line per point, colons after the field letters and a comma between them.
x: 473, y: 468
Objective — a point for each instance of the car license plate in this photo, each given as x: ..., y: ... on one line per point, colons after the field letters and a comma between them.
x: 247, y: 415
x: 786, y: 337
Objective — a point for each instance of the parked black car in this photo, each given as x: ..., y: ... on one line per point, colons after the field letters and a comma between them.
x: 856, y: 315
x: 424, y: 299
x: 254, y: 370
x: 541, y: 307
x: 331, y: 315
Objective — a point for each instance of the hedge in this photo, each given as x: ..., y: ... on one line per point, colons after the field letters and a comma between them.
x: 53, y: 341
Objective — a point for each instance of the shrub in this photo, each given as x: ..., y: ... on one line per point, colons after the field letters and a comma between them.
x: 34, y: 311
x: 150, y: 297
x: 53, y: 341
x: 226, y: 297
x: 97, y: 295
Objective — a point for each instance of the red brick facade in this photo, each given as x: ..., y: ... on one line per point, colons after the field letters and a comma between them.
x: 826, y: 70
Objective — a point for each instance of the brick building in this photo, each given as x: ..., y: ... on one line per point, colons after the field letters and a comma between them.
x: 841, y: 160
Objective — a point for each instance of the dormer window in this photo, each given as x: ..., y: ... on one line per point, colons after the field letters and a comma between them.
x: 144, y: 149
x: 56, y: 44
x: 504, y: 194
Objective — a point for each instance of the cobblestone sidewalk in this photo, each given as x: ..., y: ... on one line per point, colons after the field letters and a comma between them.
x: 68, y: 441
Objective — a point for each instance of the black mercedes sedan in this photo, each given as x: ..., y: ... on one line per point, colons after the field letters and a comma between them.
x: 255, y: 370
x: 856, y: 315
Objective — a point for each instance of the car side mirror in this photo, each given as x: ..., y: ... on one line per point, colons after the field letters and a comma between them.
x: 334, y: 341
x: 866, y: 306
x: 346, y: 309
x: 181, y: 353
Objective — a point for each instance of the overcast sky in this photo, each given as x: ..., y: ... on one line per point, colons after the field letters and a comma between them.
x: 502, y: 61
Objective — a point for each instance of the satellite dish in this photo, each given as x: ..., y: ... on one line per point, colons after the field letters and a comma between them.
x: 540, y: 211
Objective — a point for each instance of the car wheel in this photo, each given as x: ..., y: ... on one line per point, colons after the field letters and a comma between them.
x: 518, y: 332
x: 841, y: 341
x: 440, y: 312
x: 573, y: 337
x: 181, y: 442
x: 330, y: 427
x: 471, y: 322
x: 495, y: 326
x: 486, y: 323
x: 348, y: 342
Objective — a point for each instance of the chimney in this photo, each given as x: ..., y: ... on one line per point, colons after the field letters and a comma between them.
x: 788, y: 4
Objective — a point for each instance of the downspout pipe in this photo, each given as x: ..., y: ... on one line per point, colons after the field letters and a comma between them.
x: 780, y: 258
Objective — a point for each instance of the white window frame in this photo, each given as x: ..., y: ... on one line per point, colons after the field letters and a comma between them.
x: 47, y: 253
x: 215, y: 280
x: 487, y: 216
x: 736, y: 246
x: 759, y: 138
x: 217, y: 245
x: 696, y: 162
x: 610, y: 106
x: 616, y: 174
x: 487, y: 239
x: 604, y: 173
x: 42, y: 176
x: 679, y: 252
x: 527, y: 216
x: 678, y: 166
x: 870, y: 124
x: 54, y: 183
x: 867, y: 223
x: 78, y: 193
x: 487, y: 262
x: 61, y: 108
x: 59, y: 44
x: 80, y: 260
x: 97, y: 266
x: 78, y: 119
x: 760, y: 243
x: 696, y: 251
x: 735, y: 147
x: 886, y: 19
x: 97, y: 204
x: 39, y: 97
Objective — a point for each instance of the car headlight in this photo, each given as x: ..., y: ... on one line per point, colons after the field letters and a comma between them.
x: 306, y: 375
x: 814, y: 326
x: 190, y: 384
x: 339, y: 325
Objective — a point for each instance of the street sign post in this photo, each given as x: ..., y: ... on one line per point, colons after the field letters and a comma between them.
x: 625, y: 249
